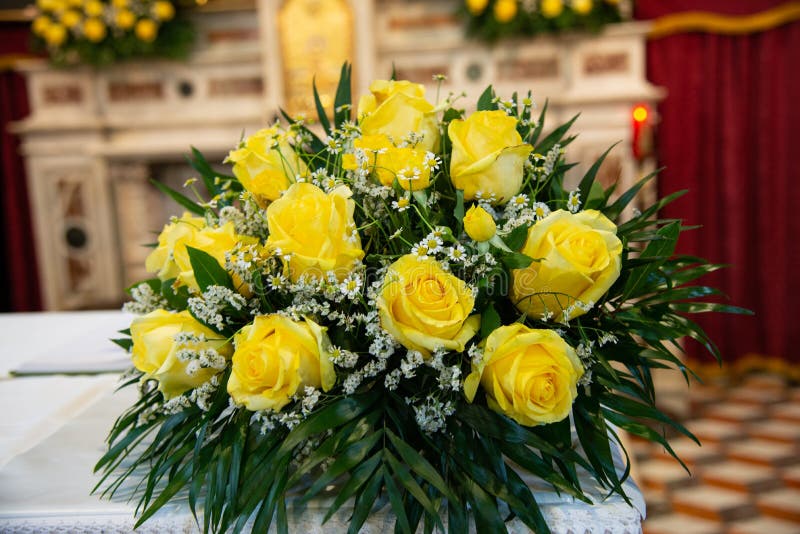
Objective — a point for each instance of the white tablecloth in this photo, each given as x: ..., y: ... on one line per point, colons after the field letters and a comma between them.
x: 58, y: 425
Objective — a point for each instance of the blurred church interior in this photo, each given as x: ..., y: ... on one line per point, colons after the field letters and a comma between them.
x: 707, y: 90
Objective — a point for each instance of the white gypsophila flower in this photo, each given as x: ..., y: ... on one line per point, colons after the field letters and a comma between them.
x: 546, y: 315
x: 475, y: 355
x: 144, y: 301
x: 310, y: 399
x: 586, y: 378
x: 431, y: 416
x: 584, y: 350
x: 574, y: 201
x: 351, y: 383
x: 410, y: 363
x: 607, y: 338
x: 343, y: 358
x: 175, y: 405
x: 203, y: 395
x: 449, y: 378
x: 551, y: 159
x: 392, y: 380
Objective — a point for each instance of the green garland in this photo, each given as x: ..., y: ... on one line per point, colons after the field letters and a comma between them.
x: 237, y: 460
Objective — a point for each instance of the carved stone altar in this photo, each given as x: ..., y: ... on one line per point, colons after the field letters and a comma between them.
x: 94, y: 139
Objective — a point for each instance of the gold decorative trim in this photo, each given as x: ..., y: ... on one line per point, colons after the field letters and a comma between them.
x: 10, y: 61
x: 699, y: 21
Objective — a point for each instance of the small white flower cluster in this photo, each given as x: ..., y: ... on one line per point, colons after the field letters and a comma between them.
x: 409, y: 364
x: 201, y: 359
x: 144, y: 300
x: 290, y: 416
x: 244, y: 260
x: 432, y: 414
x: 551, y: 159
x: 575, y: 305
x: 343, y: 358
x: 607, y: 338
x: 574, y: 201
x: 324, y: 180
x: 449, y: 378
x: 475, y: 354
x: 209, y: 308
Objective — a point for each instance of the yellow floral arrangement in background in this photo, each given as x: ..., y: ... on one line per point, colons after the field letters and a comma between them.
x: 102, y: 32
x: 497, y: 19
x: 413, y: 307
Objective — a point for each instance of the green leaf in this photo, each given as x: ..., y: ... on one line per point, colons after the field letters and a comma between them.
x: 487, y: 516
x: 516, y: 260
x: 404, y: 476
x: 588, y: 179
x: 534, y: 137
x: 364, y: 502
x: 323, y: 116
x: 704, y: 307
x: 458, y: 213
x: 555, y: 136
x: 395, y: 497
x: 125, y: 342
x: 177, y: 299
x: 419, y: 465
x: 486, y: 100
x: 659, y: 248
x: 343, y: 99
x: 614, y: 210
x: 207, y: 271
x: 490, y: 320
x: 184, y: 201
x: 358, y: 478
x: 516, y: 238
x: 175, y: 484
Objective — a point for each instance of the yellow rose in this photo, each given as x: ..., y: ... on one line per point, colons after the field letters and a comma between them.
x: 55, y: 34
x: 424, y: 307
x: 580, y: 260
x: 155, y: 351
x: 146, y: 30
x: 125, y: 19
x: 476, y: 7
x: 163, y: 10
x: 267, y: 164
x: 397, y: 108
x: 488, y: 155
x: 505, y: 10
x: 582, y: 7
x: 551, y: 8
x: 70, y: 18
x: 170, y: 259
x: 93, y: 8
x: 40, y: 25
x: 120, y: 4
x: 478, y: 224
x: 94, y: 30
x: 275, y: 358
x: 529, y: 375
x: 388, y: 162
x: 316, y: 229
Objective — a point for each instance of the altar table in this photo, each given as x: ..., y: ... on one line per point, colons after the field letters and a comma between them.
x: 53, y: 426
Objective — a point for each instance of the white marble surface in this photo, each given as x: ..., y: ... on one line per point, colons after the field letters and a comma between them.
x: 46, y: 481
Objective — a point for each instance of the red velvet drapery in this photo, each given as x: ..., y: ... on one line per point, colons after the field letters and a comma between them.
x: 730, y: 133
x: 18, y: 274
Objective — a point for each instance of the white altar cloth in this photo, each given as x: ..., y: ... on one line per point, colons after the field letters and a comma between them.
x: 47, y: 487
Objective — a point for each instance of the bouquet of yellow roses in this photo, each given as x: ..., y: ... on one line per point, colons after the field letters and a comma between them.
x: 404, y: 301
x: 100, y: 32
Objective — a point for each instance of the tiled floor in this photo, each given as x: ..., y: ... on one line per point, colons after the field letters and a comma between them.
x: 745, y: 478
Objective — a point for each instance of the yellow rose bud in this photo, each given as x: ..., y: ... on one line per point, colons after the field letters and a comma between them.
x: 40, y: 25
x: 408, y: 165
x: 551, y: 8
x: 45, y: 5
x: 125, y: 19
x: 529, y: 375
x: 316, y: 229
x: 582, y: 7
x: 55, y: 34
x: 163, y: 10
x: 267, y: 164
x: 488, y: 155
x: 146, y: 30
x: 478, y: 224
x: 424, y: 307
x: 70, y: 18
x: 155, y: 350
x: 275, y: 358
x: 397, y: 109
x: 94, y: 30
x: 170, y: 259
x: 93, y: 8
x: 505, y: 10
x: 476, y: 7
x: 580, y: 260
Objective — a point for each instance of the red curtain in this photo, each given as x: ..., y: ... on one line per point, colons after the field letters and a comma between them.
x: 20, y: 289
x: 730, y: 133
